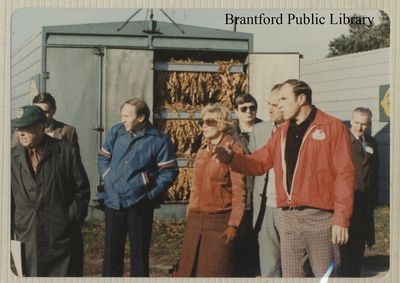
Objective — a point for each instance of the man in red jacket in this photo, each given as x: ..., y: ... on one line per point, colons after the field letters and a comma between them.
x: 314, y: 175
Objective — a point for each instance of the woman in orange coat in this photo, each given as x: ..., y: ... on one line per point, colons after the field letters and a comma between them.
x: 216, y: 205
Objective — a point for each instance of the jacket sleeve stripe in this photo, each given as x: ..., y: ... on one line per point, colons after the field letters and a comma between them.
x: 167, y: 164
x: 105, y: 173
x: 145, y: 179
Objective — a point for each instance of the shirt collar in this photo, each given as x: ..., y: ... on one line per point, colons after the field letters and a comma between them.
x: 310, y: 118
x: 354, y: 138
x: 50, y: 128
x: 140, y: 132
x: 40, y: 147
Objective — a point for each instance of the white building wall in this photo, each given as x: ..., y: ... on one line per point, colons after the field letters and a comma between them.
x: 342, y: 83
x: 25, y: 64
x: 266, y: 70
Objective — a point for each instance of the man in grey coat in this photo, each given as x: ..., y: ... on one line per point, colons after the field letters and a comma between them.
x: 49, y: 198
x: 266, y: 216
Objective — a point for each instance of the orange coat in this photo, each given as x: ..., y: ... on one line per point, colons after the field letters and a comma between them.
x: 324, y: 176
x: 215, y: 187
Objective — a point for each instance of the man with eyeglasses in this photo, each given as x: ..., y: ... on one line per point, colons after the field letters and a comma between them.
x: 245, y: 260
x: 49, y: 198
x: 314, y: 177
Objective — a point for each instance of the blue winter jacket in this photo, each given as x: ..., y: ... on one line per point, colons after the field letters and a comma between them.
x: 135, y: 166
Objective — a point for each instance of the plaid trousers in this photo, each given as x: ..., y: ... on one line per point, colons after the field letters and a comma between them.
x: 306, y: 238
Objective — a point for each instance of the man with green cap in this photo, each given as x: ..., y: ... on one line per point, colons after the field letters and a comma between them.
x: 49, y: 198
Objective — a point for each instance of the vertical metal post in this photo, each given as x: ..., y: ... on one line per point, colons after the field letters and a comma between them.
x: 44, y: 74
x: 151, y: 26
x: 100, y: 127
x: 151, y: 29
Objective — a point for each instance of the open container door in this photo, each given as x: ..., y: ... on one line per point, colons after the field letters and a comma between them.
x: 267, y: 69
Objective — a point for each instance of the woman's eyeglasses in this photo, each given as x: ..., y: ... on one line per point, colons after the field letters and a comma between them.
x: 208, y: 122
x: 244, y: 109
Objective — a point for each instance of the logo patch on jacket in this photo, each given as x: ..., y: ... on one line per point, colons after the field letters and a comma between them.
x: 20, y: 113
x: 318, y: 135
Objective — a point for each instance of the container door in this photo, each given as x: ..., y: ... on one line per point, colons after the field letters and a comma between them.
x: 74, y: 83
x: 267, y: 69
x: 128, y: 74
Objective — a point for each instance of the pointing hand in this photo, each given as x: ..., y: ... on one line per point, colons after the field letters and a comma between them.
x: 223, y: 154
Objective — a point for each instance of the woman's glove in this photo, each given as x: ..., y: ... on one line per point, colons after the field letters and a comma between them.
x: 229, y: 233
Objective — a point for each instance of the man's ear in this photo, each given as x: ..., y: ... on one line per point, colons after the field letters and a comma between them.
x: 302, y: 99
x: 141, y: 118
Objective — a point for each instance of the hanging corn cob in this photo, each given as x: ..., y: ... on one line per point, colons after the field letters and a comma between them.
x: 184, y: 134
x: 180, y: 190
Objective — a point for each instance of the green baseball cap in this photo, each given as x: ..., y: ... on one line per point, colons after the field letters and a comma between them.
x: 28, y: 115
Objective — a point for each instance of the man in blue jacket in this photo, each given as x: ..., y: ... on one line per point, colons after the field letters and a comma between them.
x: 137, y: 164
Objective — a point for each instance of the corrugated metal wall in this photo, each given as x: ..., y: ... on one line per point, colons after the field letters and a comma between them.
x: 342, y: 83
x: 25, y: 69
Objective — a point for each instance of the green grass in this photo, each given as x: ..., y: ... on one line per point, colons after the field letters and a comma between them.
x: 165, y: 247
x: 167, y: 236
x: 93, y: 237
x: 382, y: 232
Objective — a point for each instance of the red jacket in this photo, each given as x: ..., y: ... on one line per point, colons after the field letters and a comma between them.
x: 324, y: 176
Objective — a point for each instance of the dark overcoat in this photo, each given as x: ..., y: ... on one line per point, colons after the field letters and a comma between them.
x: 48, y: 208
x: 366, y: 162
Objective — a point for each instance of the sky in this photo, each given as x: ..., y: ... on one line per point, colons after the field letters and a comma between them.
x: 310, y: 40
